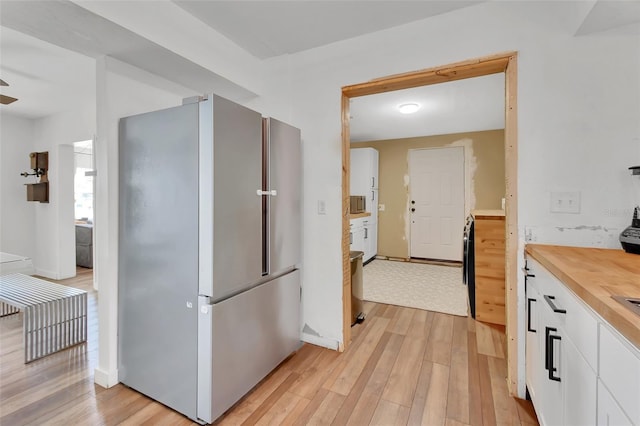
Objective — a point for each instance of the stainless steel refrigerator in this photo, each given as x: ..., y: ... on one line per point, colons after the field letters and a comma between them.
x: 209, y: 253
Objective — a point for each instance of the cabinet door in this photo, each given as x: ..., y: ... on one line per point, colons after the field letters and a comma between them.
x: 579, y: 387
x: 367, y: 241
x: 609, y: 412
x: 619, y: 370
x: 373, y: 238
x: 357, y: 239
x: 372, y: 204
x: 373, y: 167
x: 359, y: 180
x: 533, y: 354
x: 551, y: 372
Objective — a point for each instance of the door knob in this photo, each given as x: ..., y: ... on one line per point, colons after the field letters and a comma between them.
x: 413, y: 209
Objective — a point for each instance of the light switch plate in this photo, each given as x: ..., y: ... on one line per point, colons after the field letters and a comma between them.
x: 322, y: 207
x: 565, y: 202
x: 380, y: 207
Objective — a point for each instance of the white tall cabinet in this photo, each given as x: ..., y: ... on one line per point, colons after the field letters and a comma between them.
x: 364, y: 182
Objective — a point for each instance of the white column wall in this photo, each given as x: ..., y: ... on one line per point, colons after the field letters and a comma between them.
x: 17, y: 215
x: 122, y: 91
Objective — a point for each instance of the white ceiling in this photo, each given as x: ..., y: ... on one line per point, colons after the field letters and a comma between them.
x: 272, y: 28
x: 47, y: 78
x: 469, y: 105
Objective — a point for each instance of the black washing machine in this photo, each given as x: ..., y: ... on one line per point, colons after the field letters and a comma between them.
x: 468, y: 264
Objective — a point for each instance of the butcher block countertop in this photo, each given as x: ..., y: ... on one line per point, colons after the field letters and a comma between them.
x: 595, y: 275
x: 487, y: 214
x: 359, y: 215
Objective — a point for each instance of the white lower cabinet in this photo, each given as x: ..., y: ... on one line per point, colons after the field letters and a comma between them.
x: 562, y: 384
x: 357, y: 235
x: 370, y: 239
x: 363, y: 236
x: 620, y: 371
x: 579, y: 371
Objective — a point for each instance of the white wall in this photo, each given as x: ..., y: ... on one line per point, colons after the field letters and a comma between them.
x: 578, y: 109
x: 122, y: 91
x: 17, y: 215
x: 54, y: 221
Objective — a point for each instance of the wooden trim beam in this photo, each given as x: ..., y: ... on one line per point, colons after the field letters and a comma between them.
x: 468, y: 69
x: 511, y: 206
x: 346, y: 261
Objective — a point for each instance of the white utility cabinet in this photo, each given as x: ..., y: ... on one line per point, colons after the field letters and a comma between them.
x: 364, y: 182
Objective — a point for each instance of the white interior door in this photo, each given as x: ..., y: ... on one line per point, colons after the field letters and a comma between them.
x: 436, y: 204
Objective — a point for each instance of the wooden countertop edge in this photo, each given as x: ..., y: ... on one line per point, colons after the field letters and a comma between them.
x: 488, y: 214
x: 358, y: 215
x: 619, y: 317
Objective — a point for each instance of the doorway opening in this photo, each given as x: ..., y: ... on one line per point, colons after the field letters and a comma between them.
x: 83, y: 189
x: 501, y: 63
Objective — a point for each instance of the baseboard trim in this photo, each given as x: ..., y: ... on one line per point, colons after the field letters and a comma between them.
x: 325, y: 342
x: 106, y: 379
x: 47, y: 274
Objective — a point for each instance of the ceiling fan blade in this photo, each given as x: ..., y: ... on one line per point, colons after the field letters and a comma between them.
x: 3, y: 83
x: 6, y: 100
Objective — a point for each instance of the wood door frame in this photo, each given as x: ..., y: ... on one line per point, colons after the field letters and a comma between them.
x: 465, y: 189
x: 500, y: 63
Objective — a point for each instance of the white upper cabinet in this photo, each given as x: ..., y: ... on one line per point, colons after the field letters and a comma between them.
x: 364, y: 174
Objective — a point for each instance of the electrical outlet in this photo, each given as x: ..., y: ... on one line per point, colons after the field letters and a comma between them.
x: 565, y: 202
x: 380, y: 207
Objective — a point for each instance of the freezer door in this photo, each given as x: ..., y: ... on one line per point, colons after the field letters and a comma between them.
x: 285, y: 177
x: 230, y: 207
x: 244, y: 338
x: 158, y: 255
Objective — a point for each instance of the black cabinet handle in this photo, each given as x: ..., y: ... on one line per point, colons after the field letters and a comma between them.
x: 547, y: 340
x: 526, y: 272
x: 529, y: 315
x: 350, y: 238
x: 552, y: 369
x: 413, y: 210
x: 555, y: 309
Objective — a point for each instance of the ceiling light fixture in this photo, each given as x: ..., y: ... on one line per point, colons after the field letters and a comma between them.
x: 409, y: 108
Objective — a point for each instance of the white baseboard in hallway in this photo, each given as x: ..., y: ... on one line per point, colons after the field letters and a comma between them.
x: 416, y: 285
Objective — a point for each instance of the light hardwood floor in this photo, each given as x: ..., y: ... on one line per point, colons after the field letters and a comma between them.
x: 405, y: 367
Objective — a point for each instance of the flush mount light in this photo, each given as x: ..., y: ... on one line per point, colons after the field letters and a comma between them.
x: 409, y: 108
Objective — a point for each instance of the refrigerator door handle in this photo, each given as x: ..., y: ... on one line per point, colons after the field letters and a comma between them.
x: 272, y: 193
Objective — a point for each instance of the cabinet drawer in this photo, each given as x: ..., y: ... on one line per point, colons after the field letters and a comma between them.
x: 620, y: 371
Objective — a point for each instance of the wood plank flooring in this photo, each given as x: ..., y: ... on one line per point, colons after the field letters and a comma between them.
x: 404, y: 367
